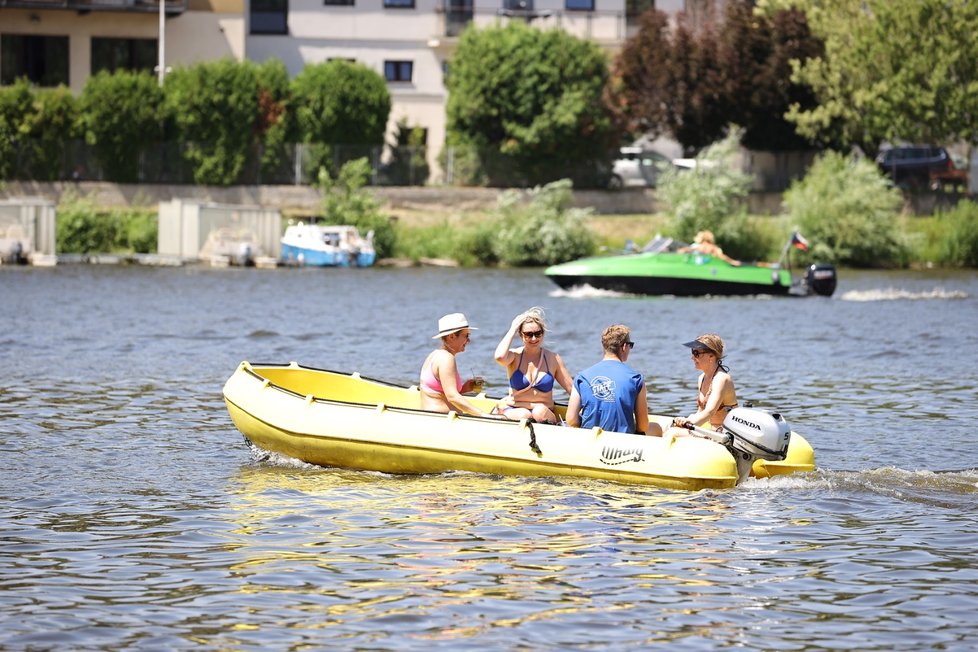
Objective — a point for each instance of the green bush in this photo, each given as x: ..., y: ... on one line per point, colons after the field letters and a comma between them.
x: 120, y: 113
x: 346, y: 202
x: 543, y: 231
x: 214, y: 108
x: 752, y: 238
x: 960, y: 230
x: 709, y: 194
x: 81, y: 229
x: 848, y: 212
x: 84, y: 228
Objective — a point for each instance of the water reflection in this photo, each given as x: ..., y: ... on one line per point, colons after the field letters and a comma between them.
x: 132, y: 515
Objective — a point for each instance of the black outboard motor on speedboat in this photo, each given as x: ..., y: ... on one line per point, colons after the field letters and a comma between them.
x: 820, y: 279
x: 755, y: 434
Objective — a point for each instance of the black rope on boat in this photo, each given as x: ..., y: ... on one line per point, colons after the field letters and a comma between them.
x: 533, y: 439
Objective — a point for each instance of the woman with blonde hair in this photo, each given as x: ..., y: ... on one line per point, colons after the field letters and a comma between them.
x: 716, y: 395
x: 704, y: 243
x: 532, y: 370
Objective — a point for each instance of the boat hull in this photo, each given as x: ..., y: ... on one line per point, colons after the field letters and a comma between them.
x: 346, y: 421
x: 670, y: 274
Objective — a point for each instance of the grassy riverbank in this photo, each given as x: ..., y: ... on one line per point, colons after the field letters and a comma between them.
x: 946, y: 239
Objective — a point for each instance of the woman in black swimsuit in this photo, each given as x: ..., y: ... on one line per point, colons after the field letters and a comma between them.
x: 716, y: 395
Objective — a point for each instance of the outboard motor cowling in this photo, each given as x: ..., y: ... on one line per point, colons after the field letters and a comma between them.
x: 756, y: 434
x: 821, y: 279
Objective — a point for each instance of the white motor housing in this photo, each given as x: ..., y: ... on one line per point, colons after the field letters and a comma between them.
x: 757, y: 433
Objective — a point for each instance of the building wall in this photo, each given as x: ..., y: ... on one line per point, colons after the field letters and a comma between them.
x: 194, y: 36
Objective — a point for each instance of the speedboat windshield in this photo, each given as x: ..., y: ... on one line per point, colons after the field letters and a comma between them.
x: 660, y: 244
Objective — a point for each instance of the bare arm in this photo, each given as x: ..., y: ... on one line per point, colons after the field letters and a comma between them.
x: 447, y: 373
x: 562, y: 375
x: 717, y: 387
x: 504, y: 356
x: 573, y: 415
x: 642, y: 411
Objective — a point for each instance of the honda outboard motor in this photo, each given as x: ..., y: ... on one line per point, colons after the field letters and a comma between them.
x: 820, y: 279
x: 755, y: 434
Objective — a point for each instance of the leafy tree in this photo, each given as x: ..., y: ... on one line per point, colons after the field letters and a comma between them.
x: 120, y: 113
x: 697, y: 115
x: 641, y: 79
x: 756, y: 53
x: 695, y: 79
x: 214, y: 107
x: 16, y: 104
x: 847, y: 209
x: 276, y: 123
x: 340, y: 103
x: 529, y: 102
x: 346, y: 202
x: 891, y: 71
x: 53, y: 121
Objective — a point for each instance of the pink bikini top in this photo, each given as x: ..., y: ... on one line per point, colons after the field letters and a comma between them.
x: 428, y: 380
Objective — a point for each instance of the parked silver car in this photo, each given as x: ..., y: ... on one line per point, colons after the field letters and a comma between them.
x: 637, y: 167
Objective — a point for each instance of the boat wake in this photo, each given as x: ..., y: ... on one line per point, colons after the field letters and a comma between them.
x: 586, y: 292
x: 946, y: 489
x: 897, y: 294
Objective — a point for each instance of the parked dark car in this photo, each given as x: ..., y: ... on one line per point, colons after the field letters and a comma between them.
x: 911, y: 166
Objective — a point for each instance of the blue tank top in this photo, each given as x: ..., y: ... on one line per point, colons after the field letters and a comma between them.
x: 608, y: 391
x: 544, y: 381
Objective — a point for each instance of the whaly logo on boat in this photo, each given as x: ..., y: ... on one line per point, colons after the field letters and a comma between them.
x: 613, y: 455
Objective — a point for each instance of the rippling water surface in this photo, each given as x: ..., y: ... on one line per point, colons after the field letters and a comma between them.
x: 132, y: 515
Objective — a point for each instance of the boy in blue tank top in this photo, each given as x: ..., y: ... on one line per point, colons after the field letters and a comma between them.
x: 610, y: 394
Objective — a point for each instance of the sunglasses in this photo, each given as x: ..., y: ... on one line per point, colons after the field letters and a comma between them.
x: 532, y: 335
x: 630, y: 344
x: 698, y: 352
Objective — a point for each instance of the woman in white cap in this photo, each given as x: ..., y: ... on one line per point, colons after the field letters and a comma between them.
x: 717, y: 395
x: 441, y: 387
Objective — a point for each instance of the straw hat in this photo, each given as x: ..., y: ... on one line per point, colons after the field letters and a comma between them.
x: 452, y: 323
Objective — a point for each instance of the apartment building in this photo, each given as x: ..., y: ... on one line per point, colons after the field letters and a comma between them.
x: 409, y: 42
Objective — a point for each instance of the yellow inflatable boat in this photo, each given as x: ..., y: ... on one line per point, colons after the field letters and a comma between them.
x: 345, y: 420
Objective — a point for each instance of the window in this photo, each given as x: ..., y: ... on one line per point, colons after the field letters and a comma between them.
x: 518, y: 5
x: 113, y: 54
x: 339, y: 3
x: 579, y: 5
x: 398, y: 71
x: 269, y: 16
x: 42, y: 59
x: 398, y: 4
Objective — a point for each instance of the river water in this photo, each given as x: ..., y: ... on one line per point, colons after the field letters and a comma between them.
x: 133, y: 516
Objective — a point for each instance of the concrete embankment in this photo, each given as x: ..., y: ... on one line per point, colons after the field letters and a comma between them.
x: 306, y: 199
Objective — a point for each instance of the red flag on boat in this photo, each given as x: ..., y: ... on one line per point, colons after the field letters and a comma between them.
x: 799, y: 242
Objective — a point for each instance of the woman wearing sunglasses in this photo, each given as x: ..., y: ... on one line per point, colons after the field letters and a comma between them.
x: 716, y: 395
x: 532, y: 370
x: 610, y: 394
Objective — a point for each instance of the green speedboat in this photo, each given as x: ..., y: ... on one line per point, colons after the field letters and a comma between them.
x: 659, y: 269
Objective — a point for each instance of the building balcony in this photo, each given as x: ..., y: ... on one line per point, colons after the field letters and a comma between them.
x: 172, y: 7
x: 574, y: 16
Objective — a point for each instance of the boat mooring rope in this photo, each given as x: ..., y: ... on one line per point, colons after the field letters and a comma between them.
x: 533, y: 439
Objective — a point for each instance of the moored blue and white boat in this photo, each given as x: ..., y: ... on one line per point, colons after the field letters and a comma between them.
x: 331, y: 245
